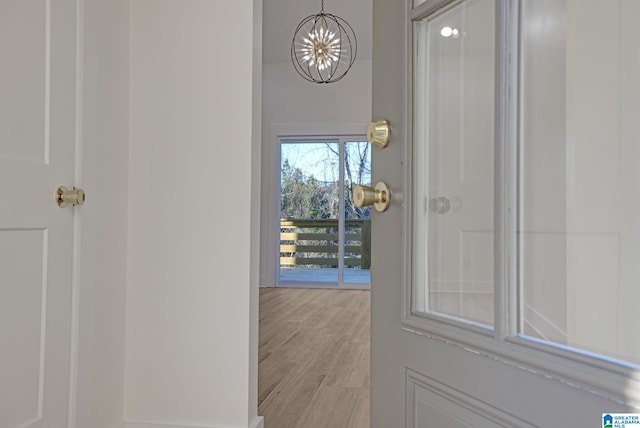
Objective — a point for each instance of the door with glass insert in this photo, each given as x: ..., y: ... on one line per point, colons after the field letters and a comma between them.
x: 505, y: 274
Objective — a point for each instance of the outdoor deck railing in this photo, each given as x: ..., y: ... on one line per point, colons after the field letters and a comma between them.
x: 305, y: 242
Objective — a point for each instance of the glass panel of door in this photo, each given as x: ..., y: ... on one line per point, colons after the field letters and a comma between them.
x: 453, y: 162
x: 573, y: 134
x: 579, y: 221
x: 357, y: 228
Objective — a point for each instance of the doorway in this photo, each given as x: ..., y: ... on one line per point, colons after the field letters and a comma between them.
x: 298, y: 388
x: 314, y: 331
x: 324, y: 240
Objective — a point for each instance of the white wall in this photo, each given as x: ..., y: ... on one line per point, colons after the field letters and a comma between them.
x: 289, y: 101
x: 103, y: 219
x: 190, y: 330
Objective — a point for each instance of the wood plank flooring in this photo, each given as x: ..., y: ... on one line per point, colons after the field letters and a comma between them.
x: 314, y: 358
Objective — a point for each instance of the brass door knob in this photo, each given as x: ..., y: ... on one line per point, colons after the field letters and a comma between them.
x: 66, y: 197
x: 379, y: 196
x: 378, y: 133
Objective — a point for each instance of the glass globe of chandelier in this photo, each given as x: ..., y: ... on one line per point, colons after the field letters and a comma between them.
x: 324, y: 47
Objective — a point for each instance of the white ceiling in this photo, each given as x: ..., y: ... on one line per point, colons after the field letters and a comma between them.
x: 281, y: 17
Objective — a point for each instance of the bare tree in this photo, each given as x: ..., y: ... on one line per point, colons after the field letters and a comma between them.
x: 357, y: 163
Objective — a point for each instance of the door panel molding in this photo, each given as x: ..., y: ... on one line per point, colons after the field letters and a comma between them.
x: 461, y: 409
x: 33, y: 93
x: 25, y: 255
x: 621, y: 386
x: 47, y: 88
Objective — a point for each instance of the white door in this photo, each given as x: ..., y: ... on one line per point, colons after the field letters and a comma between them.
x: 504, y: 274
x: 37, y: 140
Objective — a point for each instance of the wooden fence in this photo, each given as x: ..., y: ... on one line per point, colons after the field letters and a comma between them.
x: 305, y: 242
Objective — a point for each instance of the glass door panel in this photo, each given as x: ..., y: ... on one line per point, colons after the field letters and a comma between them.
x: 579, y: 219
x: 357, y: 225
x: 453, y: 162
x: 309, y: 212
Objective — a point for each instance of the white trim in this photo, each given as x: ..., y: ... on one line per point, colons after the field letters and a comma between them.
x: 502, y: 247
x: 341, y: 241
x: 43, y: 329
x: 573, y: 369
x: 429, y: 7
x: 316, y: 129
x: 258, y: 422
x: 166, y: 425
x: 77, y: 220
x: 328, y: 285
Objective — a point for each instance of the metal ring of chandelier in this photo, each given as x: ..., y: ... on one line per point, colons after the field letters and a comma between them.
x: 324, y: 48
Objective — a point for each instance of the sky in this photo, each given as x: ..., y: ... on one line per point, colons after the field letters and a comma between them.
x: 319, y: 159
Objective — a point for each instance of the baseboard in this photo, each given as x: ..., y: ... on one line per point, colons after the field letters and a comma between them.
x: 257, y: 423
x: 162, y: 425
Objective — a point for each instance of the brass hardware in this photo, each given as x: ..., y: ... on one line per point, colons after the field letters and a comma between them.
x: 66, y: 197
x: 379, y: 196
x: 378, y: 133
x: 440, y: 205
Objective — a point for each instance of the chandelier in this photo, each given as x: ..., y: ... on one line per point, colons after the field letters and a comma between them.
x: 324, y: 47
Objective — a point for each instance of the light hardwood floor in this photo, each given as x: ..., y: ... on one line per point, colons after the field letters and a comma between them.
x: 314, y: 358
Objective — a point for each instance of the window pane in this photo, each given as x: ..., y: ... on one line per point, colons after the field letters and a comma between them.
x: 453, y: 162
x: 579, y: 218
x: 357, y: 225
x: 309, y: 210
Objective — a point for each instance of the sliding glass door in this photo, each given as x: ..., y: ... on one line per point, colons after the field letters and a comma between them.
x: 325, y: 240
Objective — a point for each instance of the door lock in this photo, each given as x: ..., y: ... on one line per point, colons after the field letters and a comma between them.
x: 379, y: 196
x: 378, y: 133
x: 66, y: 197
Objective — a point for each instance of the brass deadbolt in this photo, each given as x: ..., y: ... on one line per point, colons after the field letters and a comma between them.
x: 379, y: 196
x: 66, y: 197
x: 378, y: 133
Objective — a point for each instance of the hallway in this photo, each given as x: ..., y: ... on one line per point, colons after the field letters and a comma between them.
x: 314, y: 358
